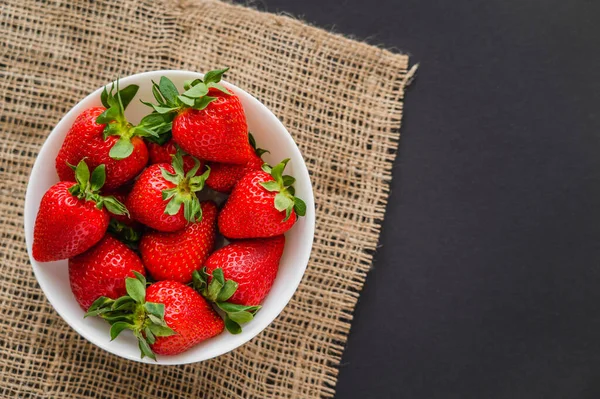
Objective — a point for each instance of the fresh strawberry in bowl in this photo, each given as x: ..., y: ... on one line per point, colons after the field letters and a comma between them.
x: 210, y: 120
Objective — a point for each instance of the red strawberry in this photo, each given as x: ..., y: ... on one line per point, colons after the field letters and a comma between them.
x: 238, y: 276
x: 174, y: 256
x: 102, y: 135
x: 101, y: 271
x: 159, y: 192
x: 168, y: 318
x: 208, y: 120
x: 261, y: 205
x: 252, y: 264
x: 164, y: 154
x: 223, y: 176
x: 73, y: 216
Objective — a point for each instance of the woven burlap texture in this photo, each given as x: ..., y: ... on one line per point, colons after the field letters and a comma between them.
x: 340, y: 99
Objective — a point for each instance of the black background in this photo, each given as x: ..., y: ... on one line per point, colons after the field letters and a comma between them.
x: 487, y: 282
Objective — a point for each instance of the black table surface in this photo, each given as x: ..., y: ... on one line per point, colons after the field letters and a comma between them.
x: 487, y: 282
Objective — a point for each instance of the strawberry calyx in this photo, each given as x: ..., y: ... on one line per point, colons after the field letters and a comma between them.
x: 285, y: 199
x: 186, y: 186
x: 217, y: 290
x: 195, y: 96
x: 131, y: 312
x: 259, y: 151
x: 88, y: 186
x: 124, y: 233
x: 152, y: 126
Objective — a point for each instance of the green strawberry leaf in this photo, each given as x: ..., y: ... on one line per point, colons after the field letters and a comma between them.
x: 145, y: 348
x: 82, y: 174
x: 168, y: 90
x: 169, y: 193
x: 277, y: 171
x: 241, y: 317
x: 233, y: 308
x: 232, y: 326
x: 123, y: 303
x: 111, y: 114
x: 219, y: 87
x: 157, y: 95
x: 214, y: 76
x: 98, y: 305
x: 161, y: 331
x: 140, y: 277
x: 197, y: 91
x: 135, y: 289
x: 288, y: 180
x: 189, y: 83
x: 98, y: 178
x: 299, y: 207
x: 214, y: 288
x: 117, y: 328
x: 187, y: 100
x: 203, y: 102
x: 174, y: 205
x: 121, y: 149
x: 127, y: 94
x: 229, y: 288
x: 283, y: 202
x: 171, y: 177
x: 149, y: 335
x: 113, y: 205
x: 218, y: 275
x: 192, y: 172
x: 104, y: 97
x: 155, y: 309
x: 160, y: 109
x: 271, y: 185
x: 192, y: 211
x: 178, y: 164
x: 199, y: 280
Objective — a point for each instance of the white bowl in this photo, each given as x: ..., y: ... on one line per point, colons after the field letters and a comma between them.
x: 269, y: 134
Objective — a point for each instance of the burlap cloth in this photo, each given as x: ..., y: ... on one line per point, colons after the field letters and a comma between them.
x: 340, y: 99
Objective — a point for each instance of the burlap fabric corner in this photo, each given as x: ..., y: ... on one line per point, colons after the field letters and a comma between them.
x: 340, y: 99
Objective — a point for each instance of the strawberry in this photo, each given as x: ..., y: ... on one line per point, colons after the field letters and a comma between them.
x: 223, y: 176
x: 238, y: 277
x: 208, y: 120
x: 262, y: 204
x: 102, y: 135
x: 73, y: 216
x: 174, y: 256
x: 167, y: 319
x: 159, y: 192
x: 252, y: 264
x: 101, y: 271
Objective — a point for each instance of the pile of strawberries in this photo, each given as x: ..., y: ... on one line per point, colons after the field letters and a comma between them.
x: 141, y: 244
